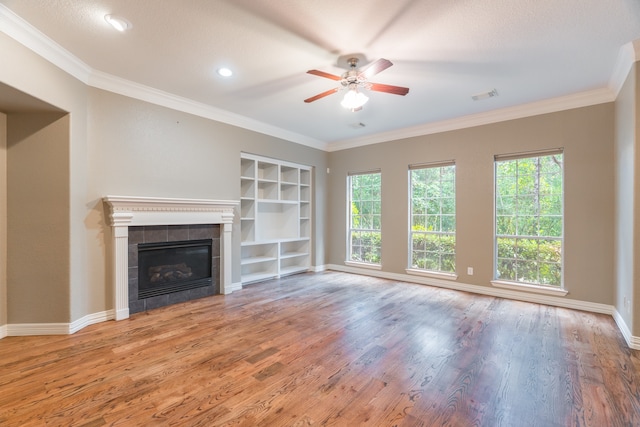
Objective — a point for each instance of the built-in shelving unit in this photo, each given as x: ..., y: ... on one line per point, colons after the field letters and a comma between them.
x: 275, y: 216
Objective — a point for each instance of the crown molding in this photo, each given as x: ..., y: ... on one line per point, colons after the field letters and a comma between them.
x: 29, y: 36
x: 577, y: 100
x: 627, y: 56
x: 124, y: 87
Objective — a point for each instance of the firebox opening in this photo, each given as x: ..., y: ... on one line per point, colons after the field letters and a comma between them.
x: 168, y: 267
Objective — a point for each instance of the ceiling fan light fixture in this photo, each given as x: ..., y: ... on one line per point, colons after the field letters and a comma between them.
x: 118, y: 23
x: 354, y: 99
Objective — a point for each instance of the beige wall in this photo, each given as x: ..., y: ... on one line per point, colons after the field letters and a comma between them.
x: 3, y: 220
x: 586, y: 134
x: 29, y: 73
x: 141, y: 149
x: 38, y: 217
x: 114, y: 145
x: 120, y: 146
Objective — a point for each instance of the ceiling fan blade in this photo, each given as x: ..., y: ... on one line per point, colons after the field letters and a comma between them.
x: 375, y: 67
x: 323, y: 74
x: 396, y: 90
x: 322, y: 95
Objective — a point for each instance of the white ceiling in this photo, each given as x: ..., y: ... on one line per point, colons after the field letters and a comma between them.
x: 531, y: 51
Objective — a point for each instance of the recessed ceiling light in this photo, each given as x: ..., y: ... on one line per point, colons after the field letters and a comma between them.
x: 118, y: 23
x: 225, y: 72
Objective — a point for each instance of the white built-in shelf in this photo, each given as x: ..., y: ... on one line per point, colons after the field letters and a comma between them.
x: 256, y: 259
x: 275, y: 217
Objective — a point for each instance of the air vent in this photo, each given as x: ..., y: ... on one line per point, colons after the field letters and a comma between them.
x: 485, y: 95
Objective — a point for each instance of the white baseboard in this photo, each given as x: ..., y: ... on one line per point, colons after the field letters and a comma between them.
x: 91, y: 319
x: 632, y: 341
x: 233, y: 287
x: 318, y: 268
x: 26, y: 329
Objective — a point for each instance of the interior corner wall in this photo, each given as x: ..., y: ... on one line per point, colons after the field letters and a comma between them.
x: 625, y: 189
x: 635, y: 300
x: 38, y: 263
x: 3, y: 220
x: 586, y: 134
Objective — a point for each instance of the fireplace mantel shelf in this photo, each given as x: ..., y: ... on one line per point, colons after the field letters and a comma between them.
x: 127, y: 211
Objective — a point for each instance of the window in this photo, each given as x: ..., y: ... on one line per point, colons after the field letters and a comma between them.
x: 433, y: 217
x: 365, y: 207
x: 529, y: 218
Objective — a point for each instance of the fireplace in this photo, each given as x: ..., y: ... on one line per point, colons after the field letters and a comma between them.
x: 165, y: 268
x: 170, y: 264
x: 137, y: 220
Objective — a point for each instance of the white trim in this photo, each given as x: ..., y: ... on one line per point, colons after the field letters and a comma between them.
x: 141, y: 92
x: 365, y: 265
x: 318, y: 268
x: 235, y: 286
x: 627, y: 56
x: 27, y: 329
x: 24, y: 33
x: 567, y: 102
x: 433, y: 274
x: 21, y: 31
x: 91, y: 319
x: 29, y: 36
x: 527, y: 287
x: 484, y: 290
x: 632, y: 342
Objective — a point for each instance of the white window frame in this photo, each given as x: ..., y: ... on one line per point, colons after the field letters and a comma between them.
x: 437, y: 217
x: 351, y: 229
x: 511, y: 283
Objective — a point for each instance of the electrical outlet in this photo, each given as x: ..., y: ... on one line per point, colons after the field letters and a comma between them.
x: 470, y: 271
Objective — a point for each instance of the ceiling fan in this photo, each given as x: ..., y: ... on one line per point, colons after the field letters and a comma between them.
x: 355, y: 79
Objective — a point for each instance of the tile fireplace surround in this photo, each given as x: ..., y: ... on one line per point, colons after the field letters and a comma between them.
x: 127, y: 211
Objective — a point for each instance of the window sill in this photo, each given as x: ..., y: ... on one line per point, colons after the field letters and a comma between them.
x: 363, y: 265
x: 538, y: 289
x: 432, y: 274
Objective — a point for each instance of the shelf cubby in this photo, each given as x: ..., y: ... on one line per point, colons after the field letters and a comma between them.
x: 267, y: 171
x: 267, y: 190
x: 288, y: 192
x: 248, y: 168
x: 247, y: 188
x: 289, y: 175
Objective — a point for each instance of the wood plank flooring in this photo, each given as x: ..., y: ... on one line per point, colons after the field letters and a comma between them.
x: 329, y: 349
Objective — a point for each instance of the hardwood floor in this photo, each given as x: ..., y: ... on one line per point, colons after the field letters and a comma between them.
x: 328, y: 349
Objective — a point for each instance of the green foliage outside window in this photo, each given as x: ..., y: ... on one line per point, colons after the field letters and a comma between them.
x: 433, y: 218
x: 529, y: 220
x: 365, y: 218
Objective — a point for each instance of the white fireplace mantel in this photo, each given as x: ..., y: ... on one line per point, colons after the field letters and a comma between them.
x: 127, y: 211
